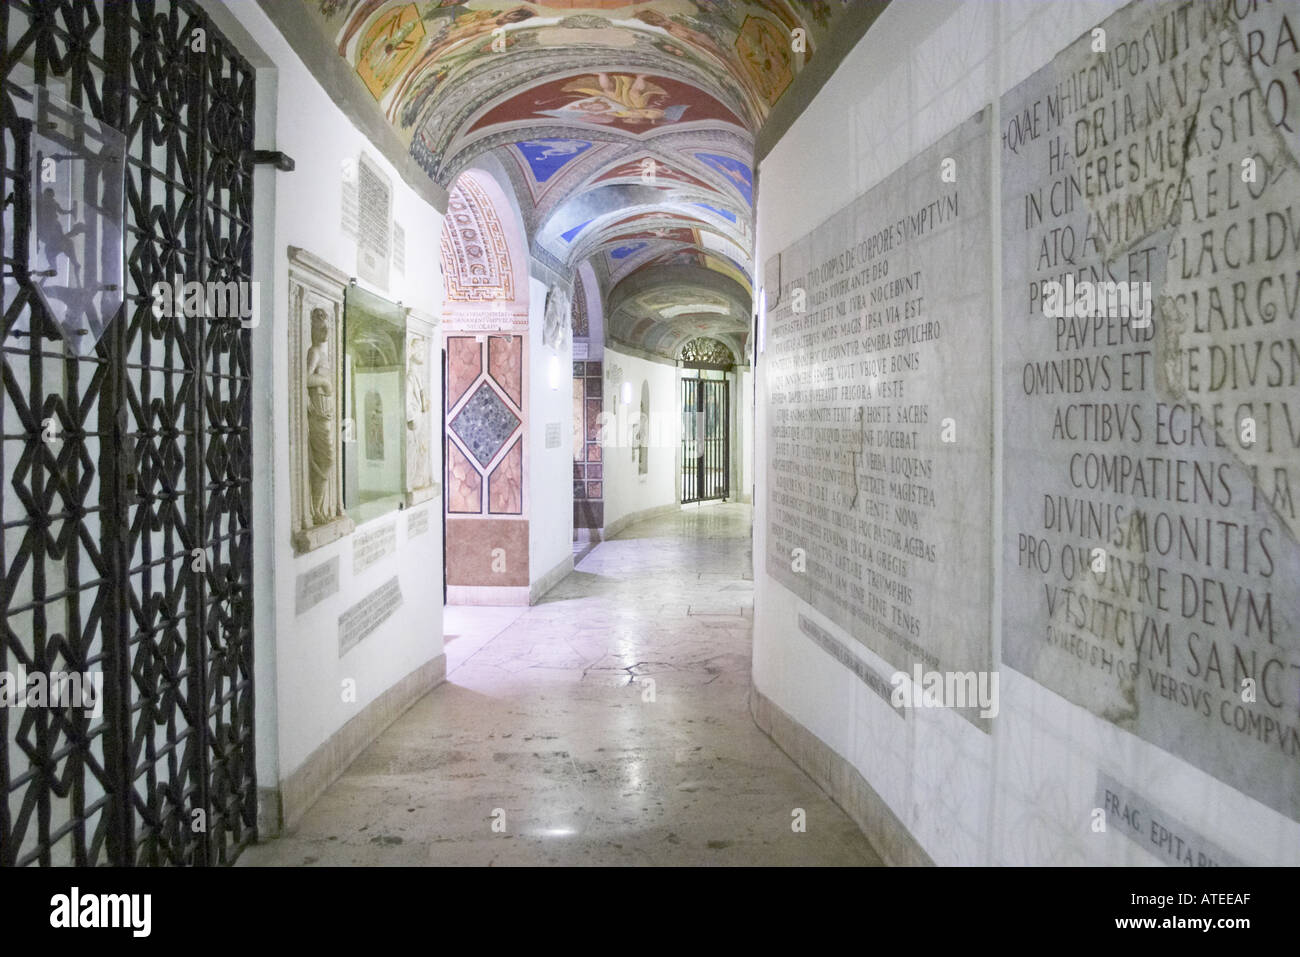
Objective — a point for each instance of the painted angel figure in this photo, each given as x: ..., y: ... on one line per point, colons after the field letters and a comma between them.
x: 617, y: 97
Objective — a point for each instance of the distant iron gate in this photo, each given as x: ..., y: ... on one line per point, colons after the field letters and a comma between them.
x: 127, y: 544
x: 706, y: 440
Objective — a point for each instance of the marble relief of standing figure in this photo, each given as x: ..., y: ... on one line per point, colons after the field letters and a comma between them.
x: 419, y: 468
x: 316, y: 294
x: 320, y: 421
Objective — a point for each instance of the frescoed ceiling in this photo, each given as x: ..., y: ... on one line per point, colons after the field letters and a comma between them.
x: 660, y: 309
x: 626, y: 127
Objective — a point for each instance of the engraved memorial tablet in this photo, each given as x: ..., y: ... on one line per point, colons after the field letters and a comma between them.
x: 878, y: 361
x: 374, y: 222
x: 368, y: 614
x: 373, y: 545
x: 1151, y: 374
x: 314, y: 586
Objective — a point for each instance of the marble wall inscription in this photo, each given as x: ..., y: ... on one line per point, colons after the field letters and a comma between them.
x: 1155, y: 830
x: 368, y: 614
x: 315, y: 585
x: 880, y: 685
x: 1153, y: 458
x: 417, y: 523
x: 878, y: 364
x: 350, y: 220
x: 372, y: 545
x: 374, y: 222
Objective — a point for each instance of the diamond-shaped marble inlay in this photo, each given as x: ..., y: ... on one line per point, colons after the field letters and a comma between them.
x: 484, y: 424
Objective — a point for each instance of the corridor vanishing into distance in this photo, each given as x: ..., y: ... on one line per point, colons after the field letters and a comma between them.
x: 649, y: 432
x: 547, y: 716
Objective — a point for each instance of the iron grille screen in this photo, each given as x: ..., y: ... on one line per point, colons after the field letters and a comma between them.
x: 127, y: 546
x: 706, y: 440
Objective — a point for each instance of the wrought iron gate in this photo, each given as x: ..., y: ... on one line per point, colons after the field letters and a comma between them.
x: 706, y: 440
x: 127, y: 545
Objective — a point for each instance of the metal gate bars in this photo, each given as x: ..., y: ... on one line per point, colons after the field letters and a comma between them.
x: 127, y: 545
x: 706, y: 440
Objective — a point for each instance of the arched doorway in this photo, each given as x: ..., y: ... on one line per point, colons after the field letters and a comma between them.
x: 707, y: 373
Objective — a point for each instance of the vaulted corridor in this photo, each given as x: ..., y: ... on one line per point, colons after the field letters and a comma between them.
x: 544, y: 715
x: 647, y: 432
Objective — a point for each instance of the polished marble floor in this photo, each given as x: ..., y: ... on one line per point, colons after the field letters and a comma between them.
x: 607, y: 725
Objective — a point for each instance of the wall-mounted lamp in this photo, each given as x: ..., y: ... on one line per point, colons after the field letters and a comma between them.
x: 627, y: 393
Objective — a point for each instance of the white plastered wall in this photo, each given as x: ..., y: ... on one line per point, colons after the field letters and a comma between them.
x: 300, y: 675
x: 626, y: 490
x: 550, y: 471
x: 743, y: 444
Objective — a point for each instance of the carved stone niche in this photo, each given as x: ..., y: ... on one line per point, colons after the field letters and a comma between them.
x: 315, y: 401
x: 421, y: 334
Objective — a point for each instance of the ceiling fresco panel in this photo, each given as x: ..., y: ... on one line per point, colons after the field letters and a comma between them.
x: 737, y: 172
x: 586, y: 109
x: 620, y: 101
x: 545, y: 158
x: 418, y: 56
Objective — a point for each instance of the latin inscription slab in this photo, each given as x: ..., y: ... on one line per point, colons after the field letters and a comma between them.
x: 372, y: 545
x: 878, y: 362
x: 374, y: 222
x: 350, y: 221
x: 841, y: 653
x: 314, y: 586
x: 417, y: 523
x: 368, y: 614
x: 1152, y: 573
x: 1155, y: 830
